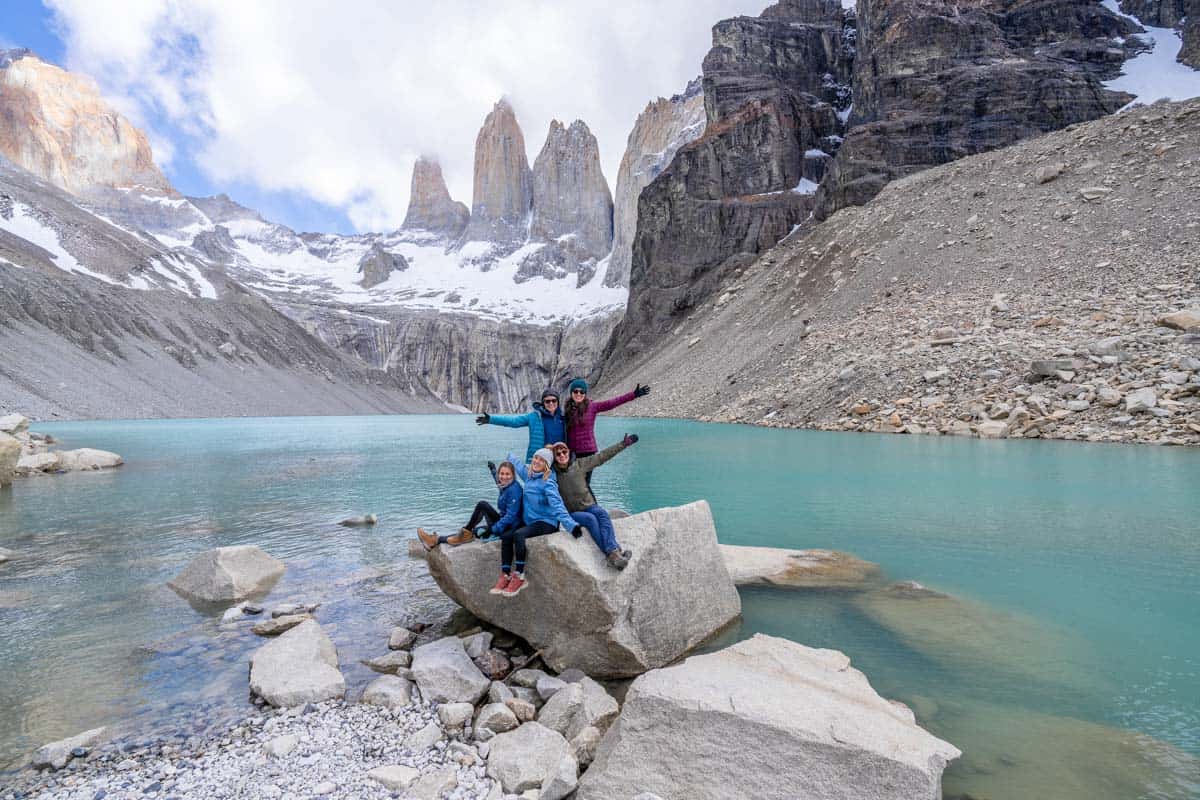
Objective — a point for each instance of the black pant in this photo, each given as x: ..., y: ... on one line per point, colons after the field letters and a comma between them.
x: 514, y: 540
x: 483, y: 510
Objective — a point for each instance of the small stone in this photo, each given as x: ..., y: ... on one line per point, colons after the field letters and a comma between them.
x: 584, y: 745
x: 389, y: 664
x: 1140, y: 400
x: 1094, y: 193
x: 425, y: 738
x: 231, y: 615
x: 401, y: 639
x: 455, y: 716
x: 527, y: 677
x: 522, y: 709
x: 281, y: 745
x: 935, y: 375
x: 1107, y: 396
x: 432, y: 785
x: 321, y: 789
x: 1049, y: 172
x: 477, y: 644
x: 499, y: 692
x: 278, y: 625
x: 496, y: 717
x: 992, y: 429
x: 1078, y: 405
x: 388, y: 691
x: 548, y: 686
x: 395, y: 777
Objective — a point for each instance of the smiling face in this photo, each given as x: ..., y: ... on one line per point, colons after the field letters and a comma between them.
x: 562, y: 455
x: 505, y: 475
x: 538, y: 465
x: 551, y: 403
x: 578, y: 395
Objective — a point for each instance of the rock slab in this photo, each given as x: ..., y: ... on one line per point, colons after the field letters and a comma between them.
x: 807, y: 569
x: 527, y: 757
x: 445, y: 673
x: 56, y: 754
x: 581, y: 613
x: 228, y: 573
x: 10, y: 454
x: 299, y: 667
x: 784, y: 721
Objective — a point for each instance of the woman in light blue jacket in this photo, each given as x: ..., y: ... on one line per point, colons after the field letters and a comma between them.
x: 546, y: 423
x: 542, y: 511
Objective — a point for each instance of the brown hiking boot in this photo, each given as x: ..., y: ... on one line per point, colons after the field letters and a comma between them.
x: 462, y: 537
x: 617, y: 560
x: 430, y: 540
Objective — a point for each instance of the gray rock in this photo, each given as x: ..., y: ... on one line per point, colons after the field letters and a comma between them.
x: 993, y: 429
x: 401, y: 639
x: 445, y: 674
x: 10, y: 456
x: 581, y: 613
x: 455, y: 716
x: 561, y: 709
x: 496, y: 717
x: 227, y: 574
x: 281, y: 746
x: 389, y: 664
x: 527, y: 677
x: 498, y: 692
x: 548, y: 686
x: 527, y: 757
x: 806, y: 569
x: 816, y: 708
x: 524, y: 710
x: 584, y: 745
x: 87, y: 459
x: 6, y: 555
x: 1141, y: 400
x: 278, y: 625
x: 56, y: 754
x: 478, y: 644
x: 297, y: 668
x: 579, y: 706
x: 432, y: 785
x: 324, y: 788
x: 12, y: 424
x: 562, y: 781
x: 425, y: 738
x: 389, y: 691
x: 1107, y: 396
x: 394, y: 777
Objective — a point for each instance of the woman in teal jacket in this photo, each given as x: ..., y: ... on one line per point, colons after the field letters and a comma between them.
x: 542, y: 511
x: 546, y: 424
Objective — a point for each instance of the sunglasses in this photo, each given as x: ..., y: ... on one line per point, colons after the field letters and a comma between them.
x: 550, y: 401
x: 578, y: 391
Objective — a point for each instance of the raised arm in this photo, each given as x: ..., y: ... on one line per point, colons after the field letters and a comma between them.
x: 589, y: 463
x: 507, y: 420
x: 608, y: 405
x: 520, y: 466
x: 492, y: 469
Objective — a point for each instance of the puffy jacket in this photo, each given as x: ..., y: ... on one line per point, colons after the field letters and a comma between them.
x: 509, y: 505
x: 537, y: 421
x: 572, y: 479
x: 541, y: 501
x: 581, y: 437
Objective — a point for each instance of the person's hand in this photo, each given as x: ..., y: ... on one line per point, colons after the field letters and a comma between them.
x: 491, y: 466
x: 641, y: 391
x: 630, y: 438
x: 577, y: 531
x: 483, y: 419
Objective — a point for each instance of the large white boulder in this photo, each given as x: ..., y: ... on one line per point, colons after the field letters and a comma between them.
x: 299, y: 667
x: 10, y: 454
x: 782, y: 720
x: 445, y: 673
x: 806, y: 569
x: 86, y: 458
x: 39, y: 462
x: 581, y: 613
x: 227, y: 574
x: 13, y: 424
x: 526, y: 758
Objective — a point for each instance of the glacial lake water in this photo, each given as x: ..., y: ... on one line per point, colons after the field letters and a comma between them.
x: 1065, y: 662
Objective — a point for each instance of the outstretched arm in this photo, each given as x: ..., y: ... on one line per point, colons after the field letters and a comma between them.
x: 508, y: 420
x: 607, y: 405
x: 492, y: 469
x: 589, y: 463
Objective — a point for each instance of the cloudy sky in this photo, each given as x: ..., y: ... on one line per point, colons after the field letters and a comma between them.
x: 314, y: 110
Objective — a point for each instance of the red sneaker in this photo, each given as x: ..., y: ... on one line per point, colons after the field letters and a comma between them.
x: 501, y: 584
x: 515, y: 584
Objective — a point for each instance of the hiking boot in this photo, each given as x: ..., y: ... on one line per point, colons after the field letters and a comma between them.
x: 628, y: 553
x: 462, y: 537
x: 501, y: 584
x: 430, y: 540
x: 617, y: 560
x: 515, y: 584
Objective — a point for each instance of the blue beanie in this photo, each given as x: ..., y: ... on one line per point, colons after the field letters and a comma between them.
x: 578, y: 383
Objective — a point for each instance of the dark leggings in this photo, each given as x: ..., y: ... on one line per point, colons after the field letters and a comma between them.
x: 513, y: 543
x: 483, y: 510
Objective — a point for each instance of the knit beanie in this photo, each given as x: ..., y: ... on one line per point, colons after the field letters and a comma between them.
x: 578, y: 383
x: 545, y: 455
x: 549, y: 392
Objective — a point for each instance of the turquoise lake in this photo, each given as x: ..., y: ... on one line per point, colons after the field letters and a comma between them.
x: 1065, y: 662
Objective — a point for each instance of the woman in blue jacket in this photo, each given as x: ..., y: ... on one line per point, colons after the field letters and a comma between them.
x: 545, y: 422
x: 542, y: 511
x: 507, y: 517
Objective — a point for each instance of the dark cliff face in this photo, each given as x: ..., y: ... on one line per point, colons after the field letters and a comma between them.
x: 935, y: 81
x: 772, y: 86
x: 1190, y: 54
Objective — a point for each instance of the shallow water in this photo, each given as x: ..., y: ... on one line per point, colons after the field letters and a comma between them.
x: 1072, y: 569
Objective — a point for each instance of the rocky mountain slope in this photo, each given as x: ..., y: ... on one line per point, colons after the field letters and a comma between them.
x: 1048, y: 289
x: 811, y: 108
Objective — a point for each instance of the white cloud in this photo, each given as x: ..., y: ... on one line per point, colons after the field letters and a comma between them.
x: 335, y: 99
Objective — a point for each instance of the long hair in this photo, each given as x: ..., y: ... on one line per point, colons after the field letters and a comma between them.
x: 573, y: 412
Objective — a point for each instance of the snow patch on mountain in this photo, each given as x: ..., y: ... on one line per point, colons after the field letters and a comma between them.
x: 1155, y: 74
x: 25, y: 224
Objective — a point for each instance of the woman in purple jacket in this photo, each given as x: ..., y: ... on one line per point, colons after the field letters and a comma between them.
x: 581, y: 414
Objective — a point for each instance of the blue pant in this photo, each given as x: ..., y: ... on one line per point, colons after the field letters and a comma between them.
x: 600, y: 526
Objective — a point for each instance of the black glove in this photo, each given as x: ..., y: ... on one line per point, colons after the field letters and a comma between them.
x: 630, y: 438
x: 483, y: 419
x: 641, y: 391
x: 577, y: 531
x: 491, y: 466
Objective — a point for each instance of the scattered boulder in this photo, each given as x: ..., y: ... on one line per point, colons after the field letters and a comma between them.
x: 355, y: 522
x: 10, y: 455
x: 765, y: 701
x: 580, y: 705
x: 299, y: 667
x: 497, y: 718
x: 281, y: 746
x: 389, y: 664
x: 584, y: 745
x: 277, y: 625
x: 12, y: 424
x: 1140, y: 400
x: 401, y: 639
x: 86, y: 459
x: 227, y: 574
x: 455, y: 716
x: 562, y: 780
x: 1185, y: 320
x: 394, y: 777
x: 388, y: 691
x: 445, y: 673
x: 527, y: 758
x: 807, y: 569
x: 32, y: 463
x: 581, y: 613
x: 56, y: 754
x: 433, y: 785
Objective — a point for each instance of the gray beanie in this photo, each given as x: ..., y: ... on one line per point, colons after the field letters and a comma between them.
x: 545, y: 455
